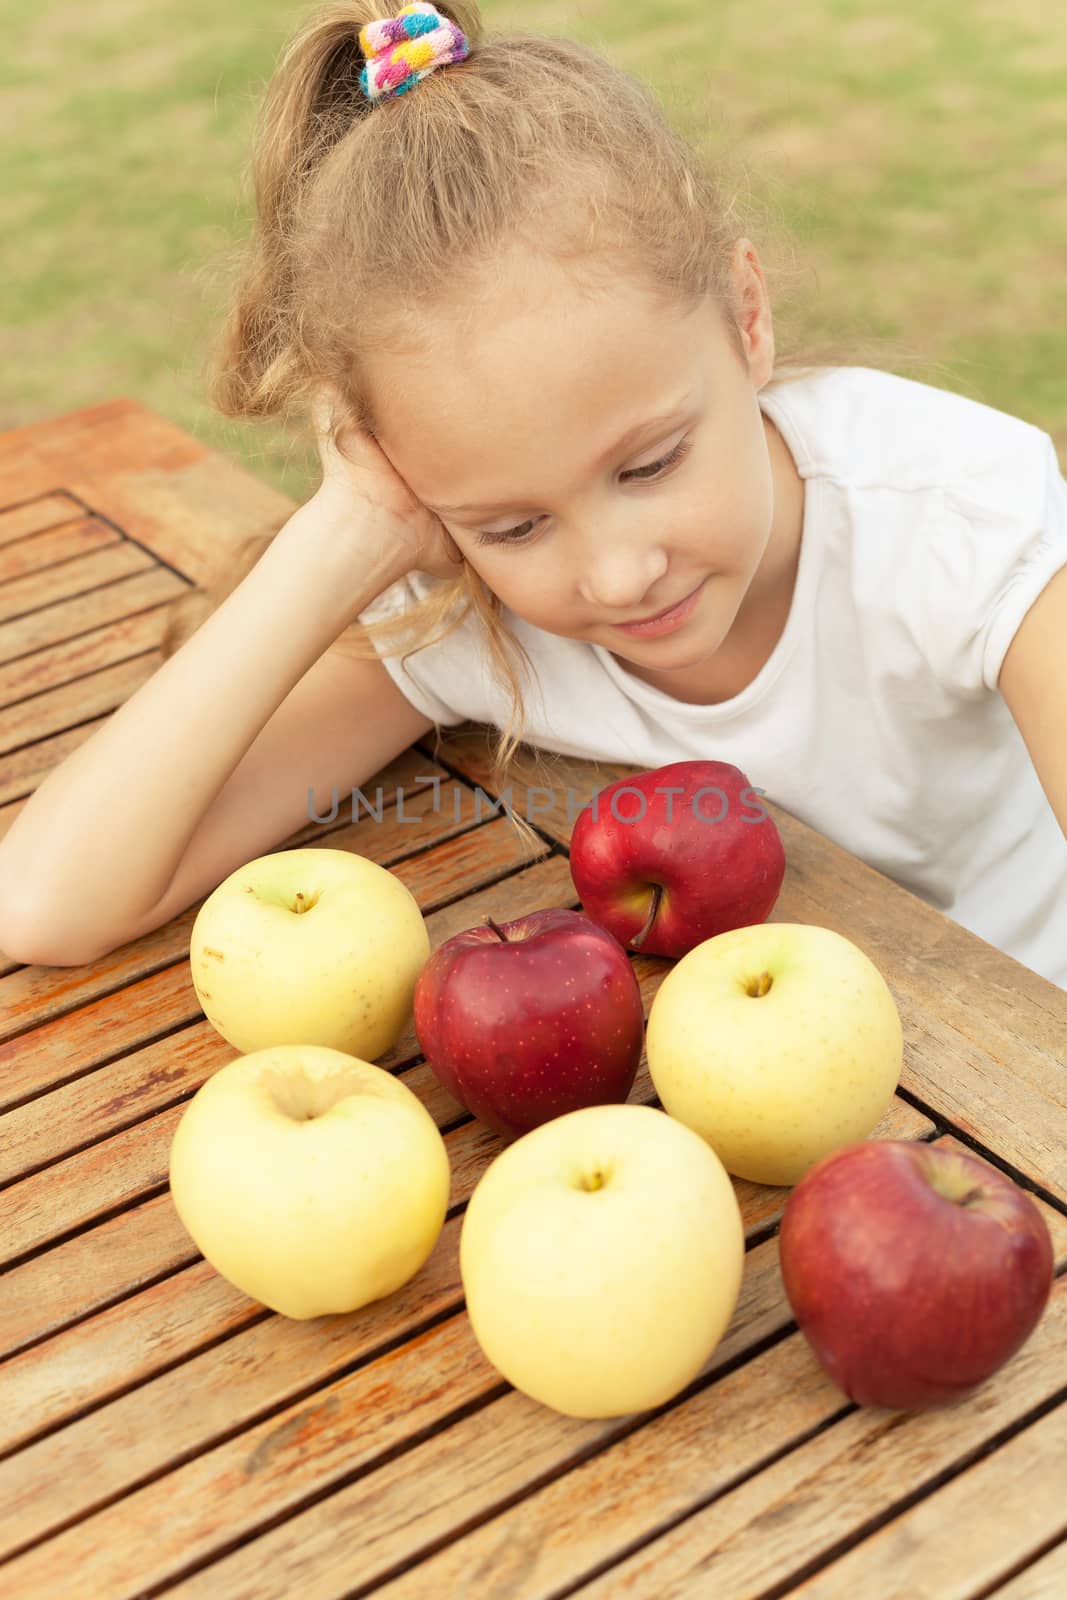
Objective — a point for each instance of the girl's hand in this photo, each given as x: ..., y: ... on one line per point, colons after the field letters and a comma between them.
x: 359, y: 481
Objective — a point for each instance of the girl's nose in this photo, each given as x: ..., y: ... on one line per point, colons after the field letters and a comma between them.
x: 619, y: 575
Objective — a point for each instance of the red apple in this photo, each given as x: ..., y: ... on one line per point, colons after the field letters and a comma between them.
x: 524, y: 1021
x: 673, y: 856
x: 914, y: 1271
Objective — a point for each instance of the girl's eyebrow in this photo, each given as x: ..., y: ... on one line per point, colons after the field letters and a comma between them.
x: 639, y: 429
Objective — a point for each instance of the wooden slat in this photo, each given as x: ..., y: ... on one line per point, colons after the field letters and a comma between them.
x: 949, y: 1547
x: 187, y: 503
x: 47, y: 586
x: 219, y: 1494
x: 56, y: 704
x: 48, y: 511
x: 1046, y: 1579
x: 81, y: 634
x: 77, y: 701
x: 54, y: 546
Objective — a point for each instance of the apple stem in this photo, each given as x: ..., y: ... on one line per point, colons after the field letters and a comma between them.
x: 639, y: 938
x: 502, y: 936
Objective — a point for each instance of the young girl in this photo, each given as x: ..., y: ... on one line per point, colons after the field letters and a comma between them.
x: 572, y: 496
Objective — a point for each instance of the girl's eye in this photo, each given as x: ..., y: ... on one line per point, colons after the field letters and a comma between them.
x: 654, y: 468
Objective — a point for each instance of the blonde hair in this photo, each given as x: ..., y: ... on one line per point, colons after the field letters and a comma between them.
x: 365, y: 210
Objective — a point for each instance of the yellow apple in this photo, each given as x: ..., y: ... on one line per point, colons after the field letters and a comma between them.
x: 777, y: 1043
x: 601, y: 1257
x: 310, y: 1180
x: 309, y: 947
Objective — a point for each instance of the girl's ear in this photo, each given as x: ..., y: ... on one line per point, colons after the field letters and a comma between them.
x: 752, y: 310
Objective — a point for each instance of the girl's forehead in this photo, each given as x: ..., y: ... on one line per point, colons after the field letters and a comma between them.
x: 522, y: 365
x: 475, y: 437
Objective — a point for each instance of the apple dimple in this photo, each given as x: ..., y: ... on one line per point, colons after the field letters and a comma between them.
x: 297, y: 901
x: 302, y: 1097
x: 639, y: 938
x: 954, y: 1180
x: 759, y: 986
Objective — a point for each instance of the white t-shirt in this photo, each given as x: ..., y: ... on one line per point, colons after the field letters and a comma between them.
x: 931, y: 524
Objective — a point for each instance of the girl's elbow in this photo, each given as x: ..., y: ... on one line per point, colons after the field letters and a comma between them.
x: 30, y: 946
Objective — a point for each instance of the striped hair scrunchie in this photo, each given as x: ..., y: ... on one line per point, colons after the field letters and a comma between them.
x: 400, y: 51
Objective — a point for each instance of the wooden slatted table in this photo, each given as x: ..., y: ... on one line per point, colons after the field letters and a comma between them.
x: 161, y: 1433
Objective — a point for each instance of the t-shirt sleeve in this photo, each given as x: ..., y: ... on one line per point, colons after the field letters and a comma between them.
x: 1001, y: 538
x: 428, y: 678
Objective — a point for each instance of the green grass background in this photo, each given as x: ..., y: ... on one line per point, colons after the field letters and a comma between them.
x: 917, y: 153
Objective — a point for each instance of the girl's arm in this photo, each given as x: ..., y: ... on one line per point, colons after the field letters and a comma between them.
x: 1033, y: 682
x: 99, y: 841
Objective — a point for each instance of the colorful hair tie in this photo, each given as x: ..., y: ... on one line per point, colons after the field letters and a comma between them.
x: 401, y: 50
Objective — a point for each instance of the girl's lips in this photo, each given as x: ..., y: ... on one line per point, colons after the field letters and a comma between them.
x: 667, y: 622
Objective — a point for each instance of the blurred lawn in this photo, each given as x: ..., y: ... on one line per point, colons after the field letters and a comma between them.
x: 918, y: 152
